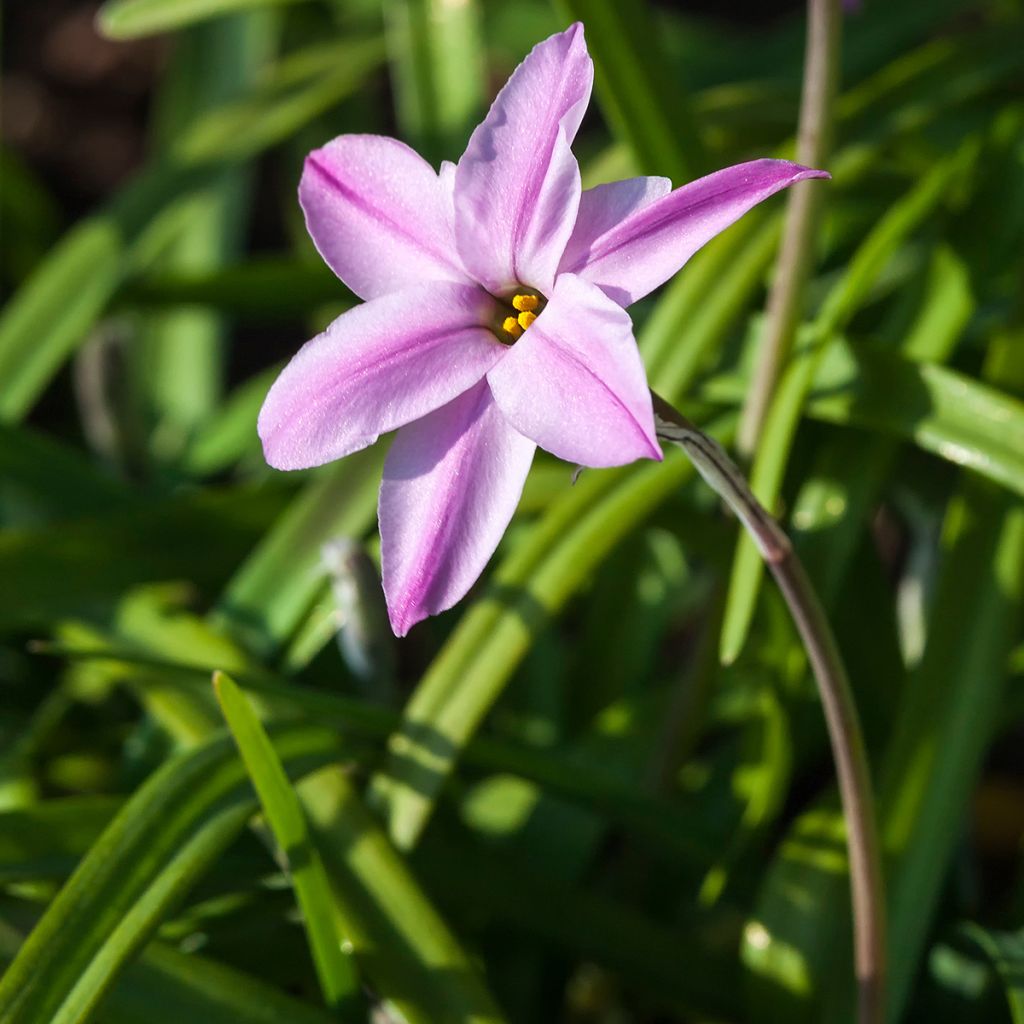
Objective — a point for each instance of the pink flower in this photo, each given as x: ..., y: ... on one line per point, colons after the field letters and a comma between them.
x: 494, y: 318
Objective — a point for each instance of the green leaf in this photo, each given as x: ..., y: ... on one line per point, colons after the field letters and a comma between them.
x: 164, y: 838
x: 52, y: 312
x: 944, y: 726
x: 944, y: 412
x: 229, y: 436
x: 269, y: 597
x: 396, y: 934
x: 80, y: 567
x: 128, y: 19
x: 46, y: 840
x: 288, y: 825
x: 528, y: 588
x: 1005, y: 952
x: 176, y: 361
x: 437, y: 70
x: 787, y: 407
x: 280, y: 289
x: 166, y: 986
x: 640, y: 93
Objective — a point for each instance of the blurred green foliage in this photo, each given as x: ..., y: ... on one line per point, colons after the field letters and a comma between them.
x: 555, y: 802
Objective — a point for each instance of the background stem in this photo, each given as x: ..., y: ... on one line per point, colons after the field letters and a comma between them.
x: 783, y: 310
x: 845, y: 734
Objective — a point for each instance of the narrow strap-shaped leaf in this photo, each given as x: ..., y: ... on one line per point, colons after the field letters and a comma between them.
x: 641, y: 94
x: 943, y: 411
x: 288, y: 824
x: 128, y: 19
x: 270, y: 595
x: 165, y: 986
x: 787, y: 406
x: 1005, y: 951
x: 407, y: 950
x: 436, y: 55
x: 162, y: 840
x: 176, y: 360
x: 53, y: 310
x: 533, y: 583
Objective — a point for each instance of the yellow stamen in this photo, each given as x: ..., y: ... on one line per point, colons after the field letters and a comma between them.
x: 526, y: 318
x: 525, y: 303
x: 510, y: 326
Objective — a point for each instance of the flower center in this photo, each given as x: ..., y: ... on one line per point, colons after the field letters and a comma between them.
x: 525, y: 305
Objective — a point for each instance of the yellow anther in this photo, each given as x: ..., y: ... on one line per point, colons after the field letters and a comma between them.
x: 525, y: 304
x: 526, y: 318
x: 510, y: 326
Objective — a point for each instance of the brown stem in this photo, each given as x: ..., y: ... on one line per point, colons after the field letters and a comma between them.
x: 796, y: 254
x: 867, y: 887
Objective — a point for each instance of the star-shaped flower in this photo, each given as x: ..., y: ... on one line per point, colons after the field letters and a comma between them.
x: 494, y: 318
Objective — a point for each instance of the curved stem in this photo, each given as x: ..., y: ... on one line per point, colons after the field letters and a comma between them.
x: 847, y: 740
x: 796, y: 254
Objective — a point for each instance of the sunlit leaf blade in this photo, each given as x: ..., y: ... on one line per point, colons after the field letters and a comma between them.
x: 269, y: 597
x: 126, y: 19
x: 288, y: 824
x: 165, y: 986
x: 164, y: 838
x: 641, y: 94
x: 469, y: 673
x: 787, y: 406
x: 176, y: 360
x: 945, y: 412
x: 437, y: 68
x: 396, y: 934
x: 55, y: 308
x: 1005, y: 951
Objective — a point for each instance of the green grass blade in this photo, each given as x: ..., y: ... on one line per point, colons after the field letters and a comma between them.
x: 163, y: 839
x: 944, y: 412
x: 397, y: 935
x: 128, y: 19
x: 787, y: 407
x: 528, y: 588
x: 54, y: 309
x: 437, y: 71
x: 81, y: 567
x: 256, y: 290
x: 945, y: 725
x: 229, y: 436
x: 660, y: 821
x: 269, y: 597
x: 176, y: 363
x: 639, y: 91
x: 1005, y: 951
x: 166, y: 986
x: 288, y: 824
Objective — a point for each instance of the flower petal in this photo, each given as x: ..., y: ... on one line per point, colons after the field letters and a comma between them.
x: 517, y: 186
x: 646, y: 248
x: 574, y: 381
x: 603, y: 207
x: 451, y: 483
x: 378, y: 366
x: 377, y: 213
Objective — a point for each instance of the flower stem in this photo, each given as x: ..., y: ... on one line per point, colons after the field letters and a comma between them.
x: 783, y: 311
x: 848, y: 750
